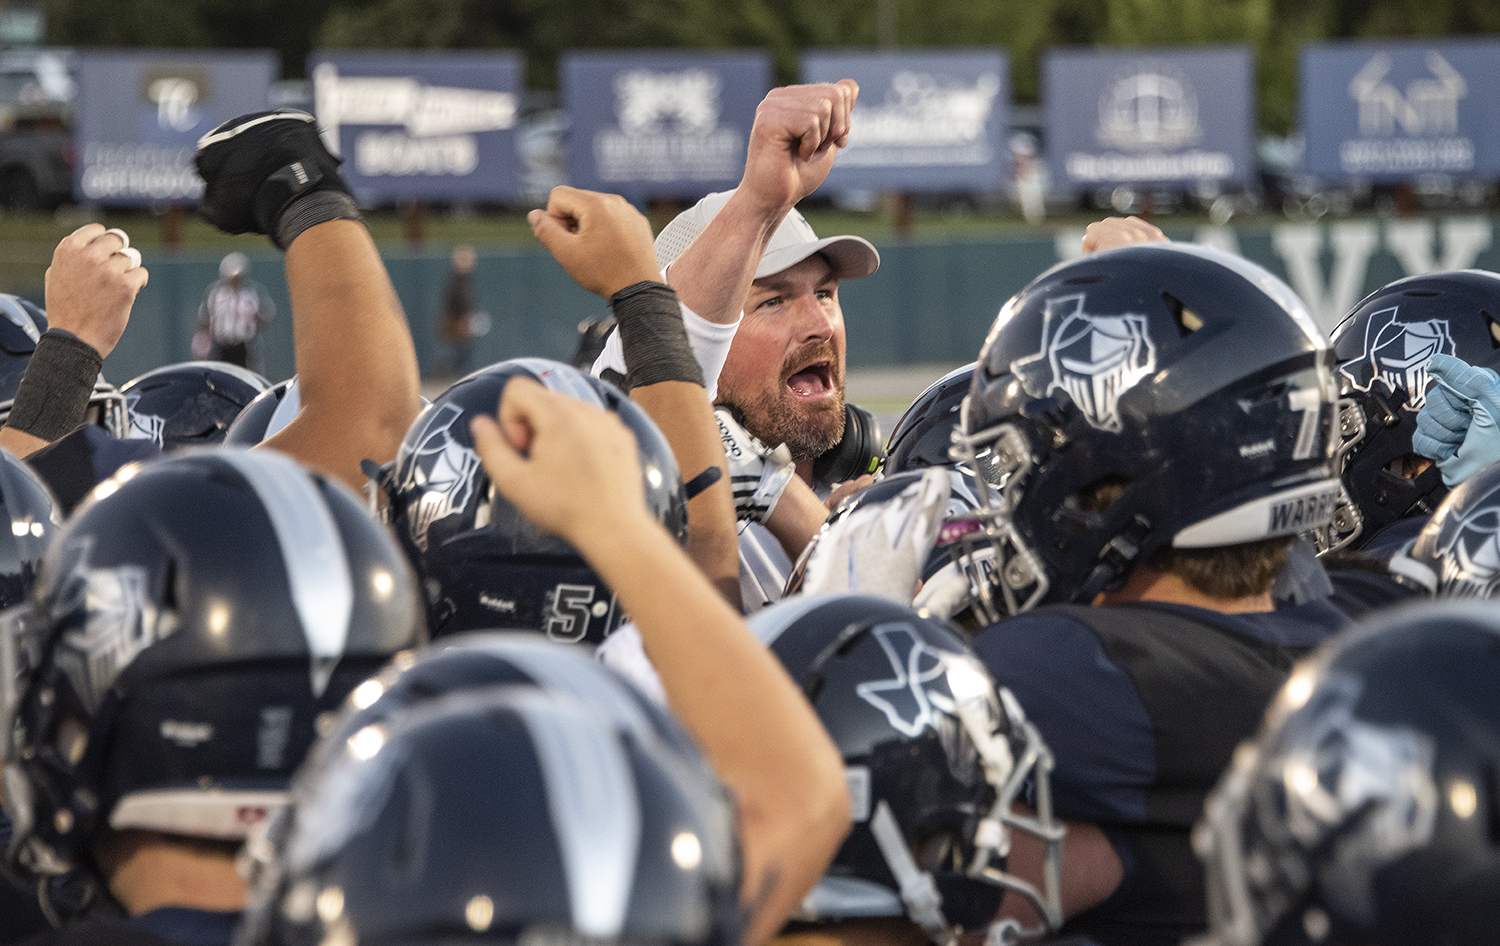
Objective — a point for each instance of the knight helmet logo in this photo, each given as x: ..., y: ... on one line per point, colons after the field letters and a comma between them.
x: 442, y: 468
x: 113, y: 620
x: 1092, y: 358
x: 1397, y: 354
x: 1353, y: 787
x: 143, y: 426
x: 1469, y: 562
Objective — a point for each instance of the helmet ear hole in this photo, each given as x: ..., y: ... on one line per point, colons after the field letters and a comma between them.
x: 72, y: 738
x: 938, y: 852
x: 1494, y: 329
x: 1101, y: 494
x: 1187, y: 320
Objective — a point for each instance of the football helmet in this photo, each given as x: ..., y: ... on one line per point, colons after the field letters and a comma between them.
x: 21, y: 326
x: 490, y: 658
x: 935, y: 757
x: 1363, y: 814
x: 190, y: 404
x: 1189, y: 383
x: 269, y: 411
x: 1383, y: 348
x: 33, y: 516
x: 189, y: 624
x: 483, y: 564
x: 1457, y: 553
x: 517, y: 813
x: 923, y: 436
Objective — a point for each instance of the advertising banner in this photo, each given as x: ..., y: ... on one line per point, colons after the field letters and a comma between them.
x: 140, y: 114
x: 421, y: 126
x: 652, y: 124
x: 1392, y: 110
x: 1163, y: 116
x: 929, y: 121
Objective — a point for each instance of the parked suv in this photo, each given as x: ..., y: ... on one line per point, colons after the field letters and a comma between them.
x: 36, y: 140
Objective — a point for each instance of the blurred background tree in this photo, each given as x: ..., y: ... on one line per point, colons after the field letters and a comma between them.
x: 542, y: 29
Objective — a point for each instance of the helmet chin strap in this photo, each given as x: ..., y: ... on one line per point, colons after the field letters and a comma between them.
x: 1115, y: 560
x: 924, y: 905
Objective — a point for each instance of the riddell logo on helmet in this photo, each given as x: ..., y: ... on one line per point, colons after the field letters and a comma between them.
x: 1397, y: 353
x: 1094, y: 359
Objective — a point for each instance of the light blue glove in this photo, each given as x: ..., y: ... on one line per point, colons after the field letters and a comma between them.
x: 1456, y: 426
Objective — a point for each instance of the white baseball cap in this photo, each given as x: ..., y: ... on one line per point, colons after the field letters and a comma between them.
x: 851, y: 257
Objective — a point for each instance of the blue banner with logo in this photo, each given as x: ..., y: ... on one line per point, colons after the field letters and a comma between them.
x: 421, y: 126
x: 1152, y: 116
x: 1392, y: 110
x: 660, y: 123
x: 140, y: 114
x: 934, y: 120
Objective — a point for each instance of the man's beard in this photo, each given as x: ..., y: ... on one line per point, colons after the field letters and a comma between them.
x: 775, y: 417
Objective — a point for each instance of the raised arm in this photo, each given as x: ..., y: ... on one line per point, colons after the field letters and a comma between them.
x: 356, y: 364
x: 91, y: 287
x: 605, y: 244
x: 797, y: 132
x: 357, y: 373
x: 560, y: 462
x: 1112, y: 232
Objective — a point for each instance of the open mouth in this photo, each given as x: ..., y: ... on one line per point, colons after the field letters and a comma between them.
x: 814, y: 381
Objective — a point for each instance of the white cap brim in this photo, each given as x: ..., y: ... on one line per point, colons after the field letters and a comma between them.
x: 851, y: 257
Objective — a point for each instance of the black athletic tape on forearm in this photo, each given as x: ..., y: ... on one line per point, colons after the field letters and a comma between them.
x: 652, y: 338
x: 311, y: 210
x: 53, y: 397
x: 702, y: 481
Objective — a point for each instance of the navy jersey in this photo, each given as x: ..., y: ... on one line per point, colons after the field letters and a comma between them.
x: 1394, y: 537
x: 168, y: 926
x: 1143, y: 705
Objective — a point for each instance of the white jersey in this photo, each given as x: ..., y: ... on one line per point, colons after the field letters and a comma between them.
x: 764, y: 568
x: 233, y: 315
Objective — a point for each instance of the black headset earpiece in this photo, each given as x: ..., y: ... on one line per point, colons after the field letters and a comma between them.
x: 860, y: 452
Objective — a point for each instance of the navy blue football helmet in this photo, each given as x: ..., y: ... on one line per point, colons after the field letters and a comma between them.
x: 190, y: 404
x: 923, y: 436
x: 268, y: 412
x: 1383, y: 348
x: 483, y: 564
x: 21, y: 326
x: 32, y: 514
x: 189, y: 625
x: 1457, y: 553
x: 1191, y: 384
x: 935, y: 756
x: 1364, y: 812
x: 492, y: 658
x: 505, y: 813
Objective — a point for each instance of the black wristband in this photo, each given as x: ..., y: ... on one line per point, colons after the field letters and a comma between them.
x: 702, y: 481
x: 53, y: 397
x: 310, y: 210
x: 652, y: 338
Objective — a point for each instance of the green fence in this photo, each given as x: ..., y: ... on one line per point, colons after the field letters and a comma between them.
x: 930, y: 302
